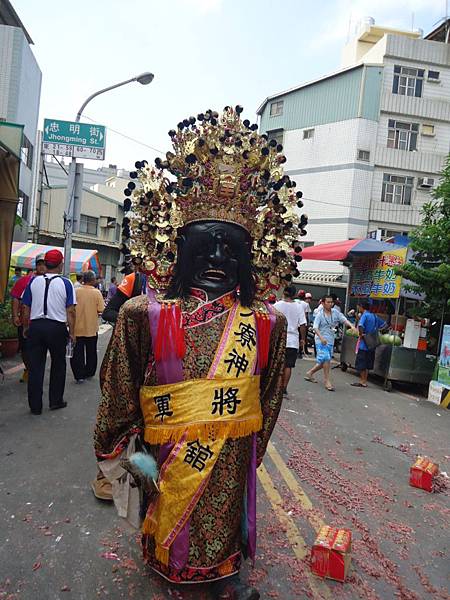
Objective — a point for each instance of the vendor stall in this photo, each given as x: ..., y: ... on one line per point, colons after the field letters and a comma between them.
x: 24, y: 255
x: 404, y: 353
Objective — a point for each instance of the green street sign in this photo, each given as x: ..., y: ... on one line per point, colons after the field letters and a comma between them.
x: 74, y: 134
x: 69, y: 138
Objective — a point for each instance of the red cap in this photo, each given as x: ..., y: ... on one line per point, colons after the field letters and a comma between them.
x: 53, y: 257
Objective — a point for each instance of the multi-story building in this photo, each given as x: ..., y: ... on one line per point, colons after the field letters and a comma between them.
x: 100, y: 221
x: 366, y: 144
x: 20, y: 90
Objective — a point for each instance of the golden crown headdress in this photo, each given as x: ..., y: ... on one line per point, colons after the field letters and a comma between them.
x: 220, y: 169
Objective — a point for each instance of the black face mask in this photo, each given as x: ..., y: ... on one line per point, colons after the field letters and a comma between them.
x: 214, y: 257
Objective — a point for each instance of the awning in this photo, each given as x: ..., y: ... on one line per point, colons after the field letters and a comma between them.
x: 24, y: 255
x: 344, y: 250
x: 316, y: 277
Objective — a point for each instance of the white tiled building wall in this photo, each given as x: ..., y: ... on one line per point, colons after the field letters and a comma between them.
x: 20, y: 89
x: 336, y: 185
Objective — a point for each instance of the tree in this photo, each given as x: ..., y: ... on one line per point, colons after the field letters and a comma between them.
x: 429, y: 269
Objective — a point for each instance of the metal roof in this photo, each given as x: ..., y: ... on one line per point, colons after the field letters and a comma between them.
x: 306, y: 84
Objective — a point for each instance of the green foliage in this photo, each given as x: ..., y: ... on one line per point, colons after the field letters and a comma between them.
x: 7, y: 328
x: 429, y: 271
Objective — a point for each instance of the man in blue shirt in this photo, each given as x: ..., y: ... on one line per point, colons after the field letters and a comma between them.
x: 368, y: 323
x: 49, y: 307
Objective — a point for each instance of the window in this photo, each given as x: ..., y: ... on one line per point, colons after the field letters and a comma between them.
x: 402, y: 136
x: 308, y: 134
x: 408, y: 81
x: 88, y: 225
x: 433, y: 76
x: 277, y: 135
x: 117, y: 238
x: 276, y: 108
x: 364, y: 155
x: 390, y: 233
x: 26, y: 152
x: 396, y: 189
x: 427, y: 129
x: 22, y: 205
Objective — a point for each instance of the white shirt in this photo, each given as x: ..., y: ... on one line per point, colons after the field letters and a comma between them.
x: 306, y: 307
x: 295, y: 315
x: 60, y: 295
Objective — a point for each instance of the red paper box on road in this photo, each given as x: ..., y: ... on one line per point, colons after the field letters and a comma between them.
x: 331, y: 553
x: 422, y: 474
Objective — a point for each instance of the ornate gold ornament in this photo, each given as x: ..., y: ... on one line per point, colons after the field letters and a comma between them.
x: 220, y: 169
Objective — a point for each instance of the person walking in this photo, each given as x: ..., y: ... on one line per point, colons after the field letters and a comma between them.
x: 90, y: 305
x: 368, y: 327
x: 112, y: 289
x: 49, y: 307
x: 17, y: 310
x: 301, y: 299
x: 296, y: 320
x: 325, y: 322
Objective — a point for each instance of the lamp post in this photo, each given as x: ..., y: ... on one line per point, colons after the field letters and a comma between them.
x: 75, y: 179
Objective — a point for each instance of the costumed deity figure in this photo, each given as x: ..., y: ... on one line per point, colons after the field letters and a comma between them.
x: 192, y: 377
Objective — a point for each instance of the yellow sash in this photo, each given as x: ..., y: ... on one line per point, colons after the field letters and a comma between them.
x: 199, y: 416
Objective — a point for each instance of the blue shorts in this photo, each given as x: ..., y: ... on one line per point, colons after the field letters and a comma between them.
x: 324, y: 353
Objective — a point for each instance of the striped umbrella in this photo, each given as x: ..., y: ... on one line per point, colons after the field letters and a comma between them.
x: 24, y: 255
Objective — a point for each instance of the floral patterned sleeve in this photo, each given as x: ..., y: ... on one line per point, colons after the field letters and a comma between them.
x: 121, y: 376
x: 272, y: 384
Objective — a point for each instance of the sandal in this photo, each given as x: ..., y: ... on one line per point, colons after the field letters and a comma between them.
x: 330, y: 388
x: 358, y: 384
x: 306, y: 378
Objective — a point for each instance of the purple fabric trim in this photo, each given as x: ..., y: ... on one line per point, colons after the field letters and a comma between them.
x: 251, y: 502
x: 251, y: 476
x: 168, y: 371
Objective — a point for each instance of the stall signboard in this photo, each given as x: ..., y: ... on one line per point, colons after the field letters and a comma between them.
x: 444, y: 359
x: 375, y: 276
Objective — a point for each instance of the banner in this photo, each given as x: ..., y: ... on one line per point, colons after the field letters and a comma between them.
x: 375, y: 277
x: 444, y: 359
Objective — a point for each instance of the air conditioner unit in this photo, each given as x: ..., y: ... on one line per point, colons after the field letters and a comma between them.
x: 426, y: 182
x: 107, y: 222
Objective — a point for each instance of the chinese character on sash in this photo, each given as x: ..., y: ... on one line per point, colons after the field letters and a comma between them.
x: 163, y: 405
x: 197, y: 455
x: 238, y: 361
x: 246, y: 336
x: 228, y: 400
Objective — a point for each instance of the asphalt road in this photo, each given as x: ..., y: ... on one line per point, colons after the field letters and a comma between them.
x: 338, y: 458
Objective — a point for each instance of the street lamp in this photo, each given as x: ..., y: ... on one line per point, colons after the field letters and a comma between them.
x: 75, y: 187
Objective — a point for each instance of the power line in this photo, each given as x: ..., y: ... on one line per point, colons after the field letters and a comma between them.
x: 127, y: 136
x: 410, y: 207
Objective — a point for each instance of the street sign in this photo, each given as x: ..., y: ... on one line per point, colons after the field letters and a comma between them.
x: 69, y: 138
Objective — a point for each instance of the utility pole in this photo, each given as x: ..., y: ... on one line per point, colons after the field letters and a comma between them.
x: 75, y: 177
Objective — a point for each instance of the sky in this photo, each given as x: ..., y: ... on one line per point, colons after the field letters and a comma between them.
x: 203, y: 53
